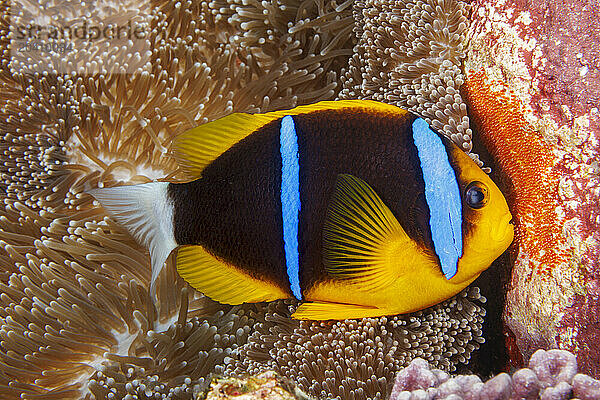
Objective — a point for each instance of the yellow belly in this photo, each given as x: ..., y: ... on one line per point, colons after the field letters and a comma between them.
x: 339, y: 299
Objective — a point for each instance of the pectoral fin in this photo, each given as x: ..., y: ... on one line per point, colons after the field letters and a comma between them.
x: 223, y: 282
x: 362, y: 240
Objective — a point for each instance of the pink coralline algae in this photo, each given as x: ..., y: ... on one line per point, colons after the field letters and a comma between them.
x: 551, y: 375
x: 545, y: 56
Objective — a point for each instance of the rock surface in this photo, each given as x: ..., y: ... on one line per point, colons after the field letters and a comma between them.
x: 545, y: 58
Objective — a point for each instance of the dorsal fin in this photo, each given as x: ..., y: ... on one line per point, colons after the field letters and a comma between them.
x: 200, y: 146
x: 362, y: 240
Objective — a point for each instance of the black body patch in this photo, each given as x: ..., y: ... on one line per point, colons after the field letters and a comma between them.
x: 234, y: 209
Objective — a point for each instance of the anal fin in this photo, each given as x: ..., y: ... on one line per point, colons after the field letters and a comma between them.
x: 223, y: 282
x: 317, y: 310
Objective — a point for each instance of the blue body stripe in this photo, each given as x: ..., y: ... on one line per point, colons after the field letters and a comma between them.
x: 443, y: 197
x: 290, y: 200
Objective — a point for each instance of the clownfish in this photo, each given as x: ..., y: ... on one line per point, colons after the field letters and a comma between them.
x: 356, y: 208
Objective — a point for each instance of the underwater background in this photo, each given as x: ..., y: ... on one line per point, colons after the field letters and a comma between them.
x: 515, y: 84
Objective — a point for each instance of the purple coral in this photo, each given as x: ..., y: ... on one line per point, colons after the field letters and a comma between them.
x: 526, y: 383
x: 416, y: 376
x: 586, y: 387
x: 552, y: 375
x: 553, y: 366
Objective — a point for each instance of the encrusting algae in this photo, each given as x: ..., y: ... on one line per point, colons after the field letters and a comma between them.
x: 534, y: 63
x: 77, y: 320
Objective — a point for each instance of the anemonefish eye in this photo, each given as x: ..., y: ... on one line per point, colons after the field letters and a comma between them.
x: 476, y: 195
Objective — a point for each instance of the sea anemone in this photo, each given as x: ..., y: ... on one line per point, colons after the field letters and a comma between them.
x: 410, y: 54
x: 358, y: 359
x: 77, y: 320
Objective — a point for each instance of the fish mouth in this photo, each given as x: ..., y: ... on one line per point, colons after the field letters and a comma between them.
x: 503, y: 229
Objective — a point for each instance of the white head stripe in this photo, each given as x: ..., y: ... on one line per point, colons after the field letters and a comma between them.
x: 443, y: 197
x: 290, y: 200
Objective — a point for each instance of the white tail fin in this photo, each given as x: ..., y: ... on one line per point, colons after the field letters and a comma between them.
x: 147, y: 213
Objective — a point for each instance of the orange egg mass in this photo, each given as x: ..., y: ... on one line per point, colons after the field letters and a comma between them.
x: 526, y: 159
